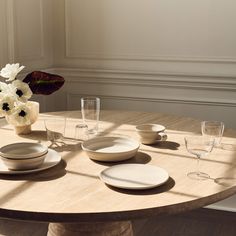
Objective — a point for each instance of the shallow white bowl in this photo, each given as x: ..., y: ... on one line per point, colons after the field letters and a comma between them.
x: 23, y: 150
x: 24, y: 164
x: 110, y: 149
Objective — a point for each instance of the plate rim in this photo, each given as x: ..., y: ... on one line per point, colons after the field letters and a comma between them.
x: 132, y: 187
x: 137, y: 144
x: 111, y: 156
x: 23, y: 156
x: 17, y: 172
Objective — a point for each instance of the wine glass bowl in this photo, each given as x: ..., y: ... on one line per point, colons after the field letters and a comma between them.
x: 199, y: 146
x: 213, y: 129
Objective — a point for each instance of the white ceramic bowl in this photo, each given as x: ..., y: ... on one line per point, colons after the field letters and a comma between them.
x: 23, y: 150
x: 110, y: 149
x: 25, y: 163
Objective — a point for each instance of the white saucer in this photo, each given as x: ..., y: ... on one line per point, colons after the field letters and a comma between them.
x: 134, y: 176
x: 52, y: 159
x: 110, y: 149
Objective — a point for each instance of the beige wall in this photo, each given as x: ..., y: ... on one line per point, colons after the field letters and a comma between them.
x: 26, y: 32
x: 162, y: 55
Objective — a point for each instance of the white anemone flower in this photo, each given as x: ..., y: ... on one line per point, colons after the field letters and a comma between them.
x: 21, y: 90
x: 4, y: 88
x: 6, y: 105
x: 20, y: 115
x: 10, y: 71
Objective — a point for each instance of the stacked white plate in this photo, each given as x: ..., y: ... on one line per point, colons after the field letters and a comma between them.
x: 23, y: 156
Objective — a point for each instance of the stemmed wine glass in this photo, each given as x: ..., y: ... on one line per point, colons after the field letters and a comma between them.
x: 199, y: 146
x: 213, y: 129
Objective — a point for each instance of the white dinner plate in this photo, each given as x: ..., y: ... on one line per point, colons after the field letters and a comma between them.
x: 23, y: 150
x: 134, y: 176
x: 52, y: 159
x: 110, y: 149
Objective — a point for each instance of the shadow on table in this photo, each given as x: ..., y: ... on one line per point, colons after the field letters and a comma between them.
x: 166, y: 145
x: 52, y: 173
x: 67, y: 144
x: 157, y: 190
x: 39, y: 135
x: 66, y: 147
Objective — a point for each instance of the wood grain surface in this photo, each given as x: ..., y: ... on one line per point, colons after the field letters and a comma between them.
x: 73, y: 192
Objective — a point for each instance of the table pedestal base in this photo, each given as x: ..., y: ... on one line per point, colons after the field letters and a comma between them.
x: 123, y: 228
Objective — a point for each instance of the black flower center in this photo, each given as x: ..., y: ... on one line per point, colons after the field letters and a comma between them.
x: 22, y: 113
x: 5, y: 106
x: 19, y: 92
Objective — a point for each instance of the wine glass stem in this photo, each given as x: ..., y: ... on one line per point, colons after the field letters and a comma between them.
x: 198, y: 164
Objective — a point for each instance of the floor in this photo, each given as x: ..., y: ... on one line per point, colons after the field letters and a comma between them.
x: 203, y: 222
x: 21, y: 228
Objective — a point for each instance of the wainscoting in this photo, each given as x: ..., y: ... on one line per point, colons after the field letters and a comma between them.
x: 151, y: 56
x: 202, y: 97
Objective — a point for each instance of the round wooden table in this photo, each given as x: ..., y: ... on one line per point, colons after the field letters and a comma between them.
x: 73, y: 198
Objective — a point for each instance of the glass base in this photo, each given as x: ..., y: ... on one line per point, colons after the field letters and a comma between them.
x: 198, y: 175
x: 227, y: 182
x: 91, y: 133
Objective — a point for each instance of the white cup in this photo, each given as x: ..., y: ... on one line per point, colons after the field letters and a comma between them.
x: 90, y: 109
x: 151, y: 133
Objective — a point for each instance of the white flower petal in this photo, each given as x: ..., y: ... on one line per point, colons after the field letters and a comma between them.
x: 6, y: 105
x: 21, y: 68
x: 21, y: 90
x: 4, y: 89
x: 20, y: 115
x: 10, y: 71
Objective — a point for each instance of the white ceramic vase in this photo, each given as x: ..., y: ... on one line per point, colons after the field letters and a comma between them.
x: 34, y: 112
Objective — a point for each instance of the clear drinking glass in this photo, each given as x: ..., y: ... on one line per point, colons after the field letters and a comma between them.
x: 213, y: 129
x: 90, y: 109
x: 81, y: 132
x: 55, y: 127
x: 199, y: 146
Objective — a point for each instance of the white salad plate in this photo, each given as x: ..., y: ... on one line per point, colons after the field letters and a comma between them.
x: 23, y: 150
x: 110, y: 149
x: 134, y: 176
x: 52, y: 158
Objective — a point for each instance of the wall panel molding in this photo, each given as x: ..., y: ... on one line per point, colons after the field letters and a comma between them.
x: 3, y: 33
x: 97, y: 35
x: 26, y: 33
x: 145, y: 58
x: 75, y: 51
x: 149, y: 79
x: 203, y: 97
x: 199, y: 96
x: 77, y: 96
x: 28, y: 38
x: 201, y: 110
